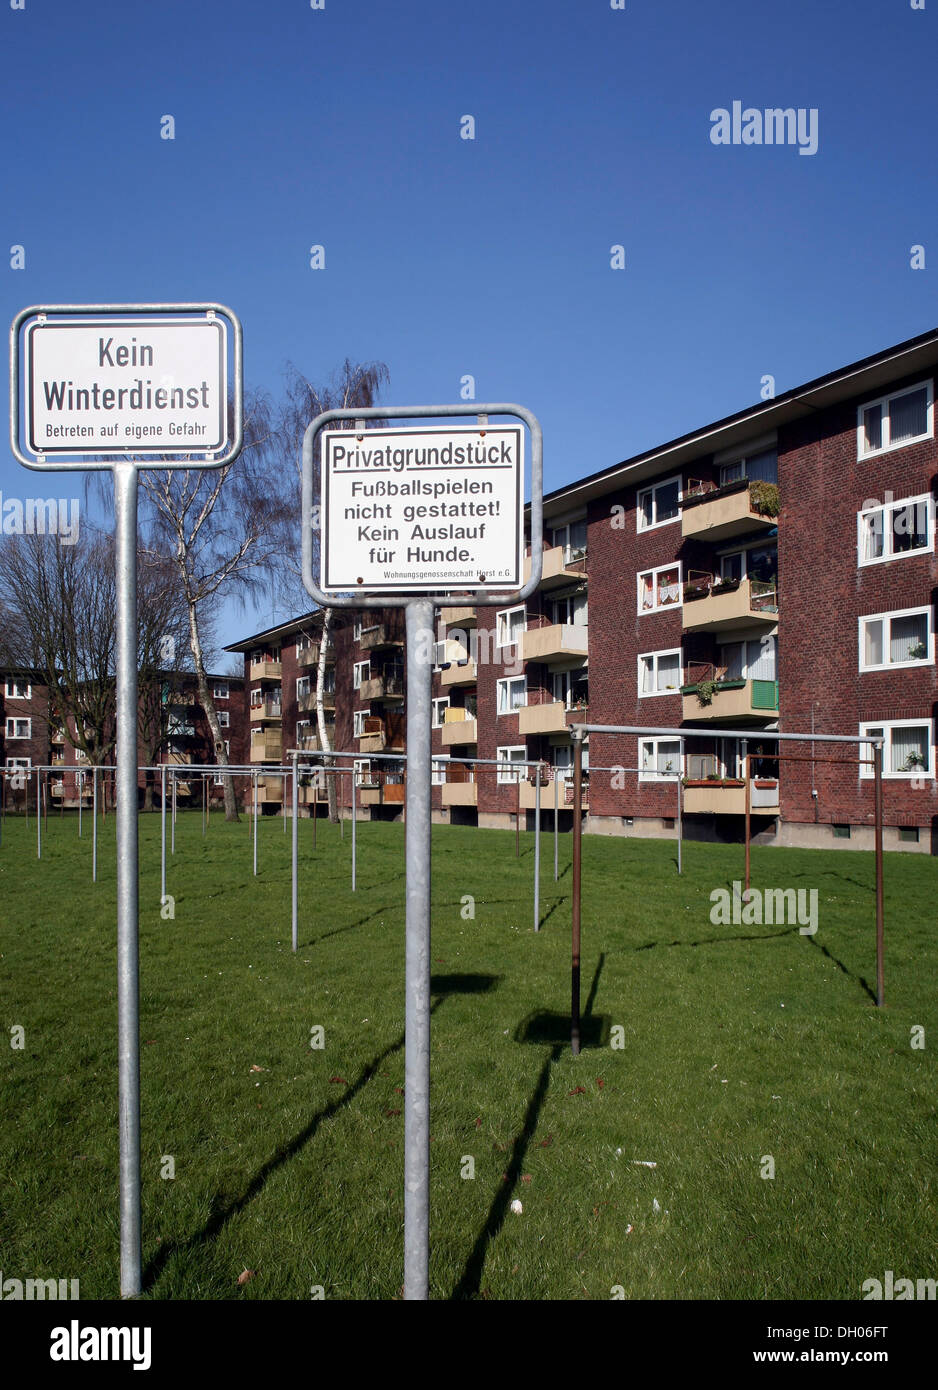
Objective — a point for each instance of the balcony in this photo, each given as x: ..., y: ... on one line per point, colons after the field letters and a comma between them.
x: 175, y: 728
x: 58, y: 736
x: 309, y: 656
x: 388, y: 685
x: 373, y: 639
x: 379, y: 734
x: 460, y: 672
x: 266, y: 671
x: 266, y: 745
x: 714, y: 606
x: 459, y: 726
x: 381, y: 792
x: 460, y: 788
x: 556, y: 642
x: 727, y: 796
x: 729, y: 700
x: 269, y: 789
x: 721, y: 513
x: 560, y: 565
x: 547, y: 716
x: 267, y: 708
x: 308, y: 743
x: 306, y: 704
x: 458, y: 617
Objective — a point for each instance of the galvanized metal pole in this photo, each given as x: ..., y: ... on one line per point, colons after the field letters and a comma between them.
x: 204, y: 801
x: 746, y: 770
x: 354, y: 818
x: 315, y: 808
x: 172, y: 828
x: 419, y: 621
x: 518, y: 816
x: 575, y: 943
x: 255, y: 824
x: 878, y: 834
x: 293, y: 855
x: 162, y: 833
x: 128, y: 987
x: 556, y: 834
x: 537, y: 852
x: 79, y: 777
x: 94, y: 826
x: 680, y: 805
x: 38, y: 818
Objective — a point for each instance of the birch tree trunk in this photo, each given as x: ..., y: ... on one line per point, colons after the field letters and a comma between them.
x: 325, y: 743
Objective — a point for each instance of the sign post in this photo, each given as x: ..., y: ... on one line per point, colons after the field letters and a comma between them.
x: 408, y: 517
x: 125, y: 387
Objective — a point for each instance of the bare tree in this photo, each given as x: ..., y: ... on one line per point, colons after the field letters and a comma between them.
x: 354, y: 384
x: 224, y: 529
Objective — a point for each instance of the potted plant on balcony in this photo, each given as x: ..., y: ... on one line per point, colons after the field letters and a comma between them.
x: 912, y: 762
x: 917, y: 652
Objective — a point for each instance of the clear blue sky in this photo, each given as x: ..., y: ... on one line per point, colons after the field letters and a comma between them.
x: 445, y: 256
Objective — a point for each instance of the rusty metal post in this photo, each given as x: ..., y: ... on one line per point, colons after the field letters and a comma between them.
x: 577, y: 849
x: 878, y: 834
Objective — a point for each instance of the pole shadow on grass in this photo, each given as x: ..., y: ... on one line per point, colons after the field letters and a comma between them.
x: 314, y: 940
x: 857, y: 979
x: 441, y: 986
x: 541, y: 1029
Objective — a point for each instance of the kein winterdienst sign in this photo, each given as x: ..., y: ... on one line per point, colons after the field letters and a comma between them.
x: 135, y: 385
x: 422, y: 509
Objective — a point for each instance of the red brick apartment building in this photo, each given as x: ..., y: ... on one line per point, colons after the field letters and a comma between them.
x: 32, y: 736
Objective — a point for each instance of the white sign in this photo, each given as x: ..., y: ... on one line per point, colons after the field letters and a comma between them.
x: 408, y: 510
x: 117, y: 385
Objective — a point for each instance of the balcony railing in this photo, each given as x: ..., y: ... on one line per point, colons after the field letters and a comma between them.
x: 268, y: 708
x: 309, y: 656
x: 714, y: 603
x: 381, y: 635
x: 266, y: 670
x: 717, y: 514
x: 559, y: 564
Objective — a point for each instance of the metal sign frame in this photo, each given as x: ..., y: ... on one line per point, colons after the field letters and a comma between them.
x: 125, y: 471
x: 105, y: 458
x: 418, y: 611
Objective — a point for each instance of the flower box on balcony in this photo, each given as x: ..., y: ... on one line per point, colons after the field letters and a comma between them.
x: 712, y: 782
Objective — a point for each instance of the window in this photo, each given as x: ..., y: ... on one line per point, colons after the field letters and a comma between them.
x: 257, y: 697
x: 903, y: 638
x: 357, y: 630
x: 358, y: 722
x: 894, y: 421
x: 438, y: 707
x: 908, y: 834
x: 563, y: 761
x: 219, y: 780
x: 659, y: 759
x: 572, y: 536
x: 17, y: 767
x: 658, y: 504
x: 748, y: 661
x: 895, y: 529
x: 510, y: 755
x: 512, y: 695
x: 362, y: 768
x: 759, y: 467
x: 224, y: 718
x: 437, y: 774
x: 303, y: 727
x: 302, y: 687
x: 439, y: 655
x: 907, y: 748
x: 362, y: 673
x: 659, y: 673
x: 570, y: 609
x: 19, y: 728
x: 572, y: 688
x: 220, y: 690
x: 509, y: 625
x: 659, y: 588
x: 840, y: 830
x: 18, y: 690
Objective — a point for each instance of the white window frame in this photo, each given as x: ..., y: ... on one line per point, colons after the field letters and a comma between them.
x: 885, y: 618
x: 653, y: 488
x: 224, y: 718
x: 438, y: 706
x: 303, y: 729
x: 362, y: 770
x: 565, y: 528
x: 439, y: 655
x: 501, y: 619
x: 887, y: 726
x: 925, y: 500
x: 14, y: 690
x: 219, y: 780
x: 357, y: 630
x: 661, y: 569
x: 504, y: 776
x: 570, y: 601
x: 506, y: 682
x: 886, y: 401
x: 12, y: 721
x: 644, y: 776
x: 358, y: 719
x: 302, y: 687
x: 361, y: 673
x: 655, y: 657
x: 257, y: 697
x: 220, y: 690
x: 14, y: 765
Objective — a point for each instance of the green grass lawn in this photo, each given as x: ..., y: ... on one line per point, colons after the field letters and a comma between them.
x: 740, y: 1042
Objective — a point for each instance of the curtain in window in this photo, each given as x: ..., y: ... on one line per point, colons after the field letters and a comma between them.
x: 668, y: 588
x: 873, y: 427
x: 666, y: 504
x: 873, y: 643
x: 763, y: 468
x: 731, y: 657
x: 907, y: 635
x: 908, y: 416
x: 668, y: 759
x: 669, y: 672
x: 909, y: 528
x: 871, y: 536
x: 760, y: 660
x: 909, y: 745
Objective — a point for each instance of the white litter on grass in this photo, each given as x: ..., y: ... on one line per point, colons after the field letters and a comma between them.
x: 628, y: 1230
x: 644, y: 1163
x: 516, y: 1207
x: 656, y: 1205
x: 776, y: 1097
